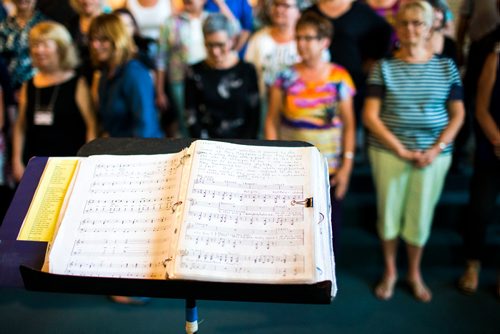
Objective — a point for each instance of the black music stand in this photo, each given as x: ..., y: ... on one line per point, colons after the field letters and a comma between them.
x: 21, y: 261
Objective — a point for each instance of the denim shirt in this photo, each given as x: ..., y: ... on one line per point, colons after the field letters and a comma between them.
x: 127, y: 102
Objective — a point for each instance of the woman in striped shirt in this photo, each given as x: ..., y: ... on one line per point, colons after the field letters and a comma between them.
x: 413, y: 111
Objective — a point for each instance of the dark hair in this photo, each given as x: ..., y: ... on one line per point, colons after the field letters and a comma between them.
x: 126, y: 11
x: 323, y: 27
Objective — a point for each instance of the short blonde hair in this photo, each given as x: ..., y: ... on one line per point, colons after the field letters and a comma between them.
x: 423, y: 6
x: 48, y: 30
x: 112, y: 29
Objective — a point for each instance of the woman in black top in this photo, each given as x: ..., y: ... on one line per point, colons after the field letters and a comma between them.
x: 55, y: 107
x: 221, y: 92
x: 485, y: 181
x: 361, y: 38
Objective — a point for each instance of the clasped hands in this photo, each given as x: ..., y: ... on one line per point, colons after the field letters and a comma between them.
x: 420, y: 158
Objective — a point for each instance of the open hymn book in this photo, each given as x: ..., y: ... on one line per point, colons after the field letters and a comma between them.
x: 215, y: 211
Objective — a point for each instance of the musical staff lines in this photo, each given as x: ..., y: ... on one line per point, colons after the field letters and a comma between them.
x: 269, y: 188
x: 232, y: 208
x: 124, y: 222
x: 283, y: 265
x: 134, y: 225
x: 138, y: 206
x: 239, y: 220
x: 257, y: 220
x: 243, y: 241
x: 244, y: 196
x: 132, y: 186
x: 135, y: 247
x: 230, y: 218
x: 234, y: 213
x: 257, y: 232
x: 139, y: 170
x: 238, y: 259
x: 150, y: 270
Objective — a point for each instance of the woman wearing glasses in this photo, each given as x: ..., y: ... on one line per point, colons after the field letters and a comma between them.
x: 273, y: 48
x: 221, y: 92
x: 413, y: 112
x: 126, y: 91
x: 312, y: 102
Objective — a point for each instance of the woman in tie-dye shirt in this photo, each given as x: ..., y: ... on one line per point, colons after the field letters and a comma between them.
x: 312, y: 102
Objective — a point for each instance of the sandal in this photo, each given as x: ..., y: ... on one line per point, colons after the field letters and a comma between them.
x: 385, y: 288
x: 420, y: 291
x: 469, y: 281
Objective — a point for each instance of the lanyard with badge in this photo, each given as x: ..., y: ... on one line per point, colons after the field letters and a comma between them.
x: 44, y: 115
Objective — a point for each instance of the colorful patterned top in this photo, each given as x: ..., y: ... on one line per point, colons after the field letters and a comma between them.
x: 14, y: 48
x: 181, y: 44
x: 310, y: 110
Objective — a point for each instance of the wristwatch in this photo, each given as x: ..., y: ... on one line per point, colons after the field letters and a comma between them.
x: 442, y: 145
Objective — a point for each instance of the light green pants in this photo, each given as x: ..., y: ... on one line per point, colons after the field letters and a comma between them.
x: 406, y: 195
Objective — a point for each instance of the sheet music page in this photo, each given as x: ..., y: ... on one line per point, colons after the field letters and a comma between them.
x: 120, y: 219
x: 240, y: 224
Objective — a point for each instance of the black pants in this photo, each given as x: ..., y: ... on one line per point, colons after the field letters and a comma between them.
x: 484, y: 189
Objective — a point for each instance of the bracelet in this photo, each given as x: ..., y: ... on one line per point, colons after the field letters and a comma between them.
x: 349, y: 155
x: 442, y: 145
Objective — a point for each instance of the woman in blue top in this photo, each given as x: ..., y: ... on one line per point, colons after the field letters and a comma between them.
x: 126, y: 91
x: 413, y: 111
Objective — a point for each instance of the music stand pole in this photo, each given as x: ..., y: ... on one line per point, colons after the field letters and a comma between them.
x: 191, y: 317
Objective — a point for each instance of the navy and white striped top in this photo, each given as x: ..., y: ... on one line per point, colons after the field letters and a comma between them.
x: 414, y: 99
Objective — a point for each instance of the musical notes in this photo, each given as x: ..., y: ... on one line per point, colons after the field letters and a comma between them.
x: 235, y: 219
x: 284, y: 266
x: 136, y: 170
x: 142, y: 205
x: 122, y: 212
x: 240, y: 202
x: 210, y: 180
x: 243, y: 241
x: 215, y: 212
x: 255, y: 197
x: 132, y: 269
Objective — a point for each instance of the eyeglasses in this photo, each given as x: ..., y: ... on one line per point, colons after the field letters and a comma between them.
x: 283, y: 5
x: 100, y: 39
x: 215, y: 45
x: 307, y: 38
x: 415, y: 24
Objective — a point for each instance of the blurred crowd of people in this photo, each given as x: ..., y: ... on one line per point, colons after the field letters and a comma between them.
x: 404, y: 83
